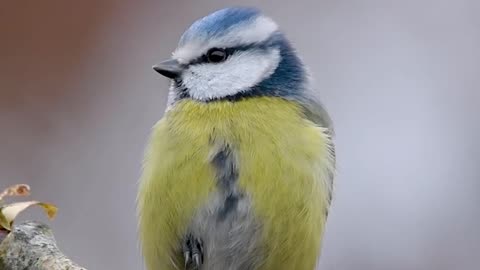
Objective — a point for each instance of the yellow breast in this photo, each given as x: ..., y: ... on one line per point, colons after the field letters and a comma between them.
x: 284, y: 161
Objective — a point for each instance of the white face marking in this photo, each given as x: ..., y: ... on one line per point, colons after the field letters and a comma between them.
x: 238, y: 73
x: 258, y: 30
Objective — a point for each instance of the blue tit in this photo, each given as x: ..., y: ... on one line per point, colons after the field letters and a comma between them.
x: 238, y: 173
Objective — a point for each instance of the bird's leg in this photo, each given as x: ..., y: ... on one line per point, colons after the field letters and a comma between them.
x: 192, y: 252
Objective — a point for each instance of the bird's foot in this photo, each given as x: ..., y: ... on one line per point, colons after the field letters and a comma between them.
x: 192, y: 252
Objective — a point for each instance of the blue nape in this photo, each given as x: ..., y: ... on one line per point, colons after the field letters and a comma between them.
x: 289, y: 76
x: 218, y: 23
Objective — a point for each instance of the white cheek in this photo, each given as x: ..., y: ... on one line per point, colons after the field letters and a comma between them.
x: 240, y: 72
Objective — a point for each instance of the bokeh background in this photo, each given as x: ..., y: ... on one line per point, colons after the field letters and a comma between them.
x: 400, y: 78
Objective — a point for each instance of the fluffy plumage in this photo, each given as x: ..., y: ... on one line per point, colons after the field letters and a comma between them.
x: 243, y: 160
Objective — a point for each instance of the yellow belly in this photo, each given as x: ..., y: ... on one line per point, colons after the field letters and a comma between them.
x: 283, y: 159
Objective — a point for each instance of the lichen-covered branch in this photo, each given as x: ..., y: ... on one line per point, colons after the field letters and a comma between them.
x: 31, y: 246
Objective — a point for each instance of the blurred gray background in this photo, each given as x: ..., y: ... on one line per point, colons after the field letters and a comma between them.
x: 400, y: 78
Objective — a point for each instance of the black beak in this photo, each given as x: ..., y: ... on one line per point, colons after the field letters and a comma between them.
x: 170, y: 68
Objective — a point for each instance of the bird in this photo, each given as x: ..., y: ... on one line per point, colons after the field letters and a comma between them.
x: 238, y: 173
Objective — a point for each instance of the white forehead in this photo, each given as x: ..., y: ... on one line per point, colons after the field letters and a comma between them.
x: 256, y: 31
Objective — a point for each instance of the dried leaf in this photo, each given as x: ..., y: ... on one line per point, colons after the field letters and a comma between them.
x: 16, y: 190
x: 9, y: 212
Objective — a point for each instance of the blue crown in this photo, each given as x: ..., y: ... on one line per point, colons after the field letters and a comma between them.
x: 219, y: 22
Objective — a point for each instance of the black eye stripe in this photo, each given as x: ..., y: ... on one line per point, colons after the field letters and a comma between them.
x: 230, y: 51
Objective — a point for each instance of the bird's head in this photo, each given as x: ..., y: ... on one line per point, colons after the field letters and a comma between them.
x: 233, y: 53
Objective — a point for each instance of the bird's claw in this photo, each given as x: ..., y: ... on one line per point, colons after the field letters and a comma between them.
x: 192, y: 252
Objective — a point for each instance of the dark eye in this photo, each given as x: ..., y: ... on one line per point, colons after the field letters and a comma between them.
x: 216, y: 55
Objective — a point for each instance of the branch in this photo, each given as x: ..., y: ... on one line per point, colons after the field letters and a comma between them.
x: 31, y: 245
